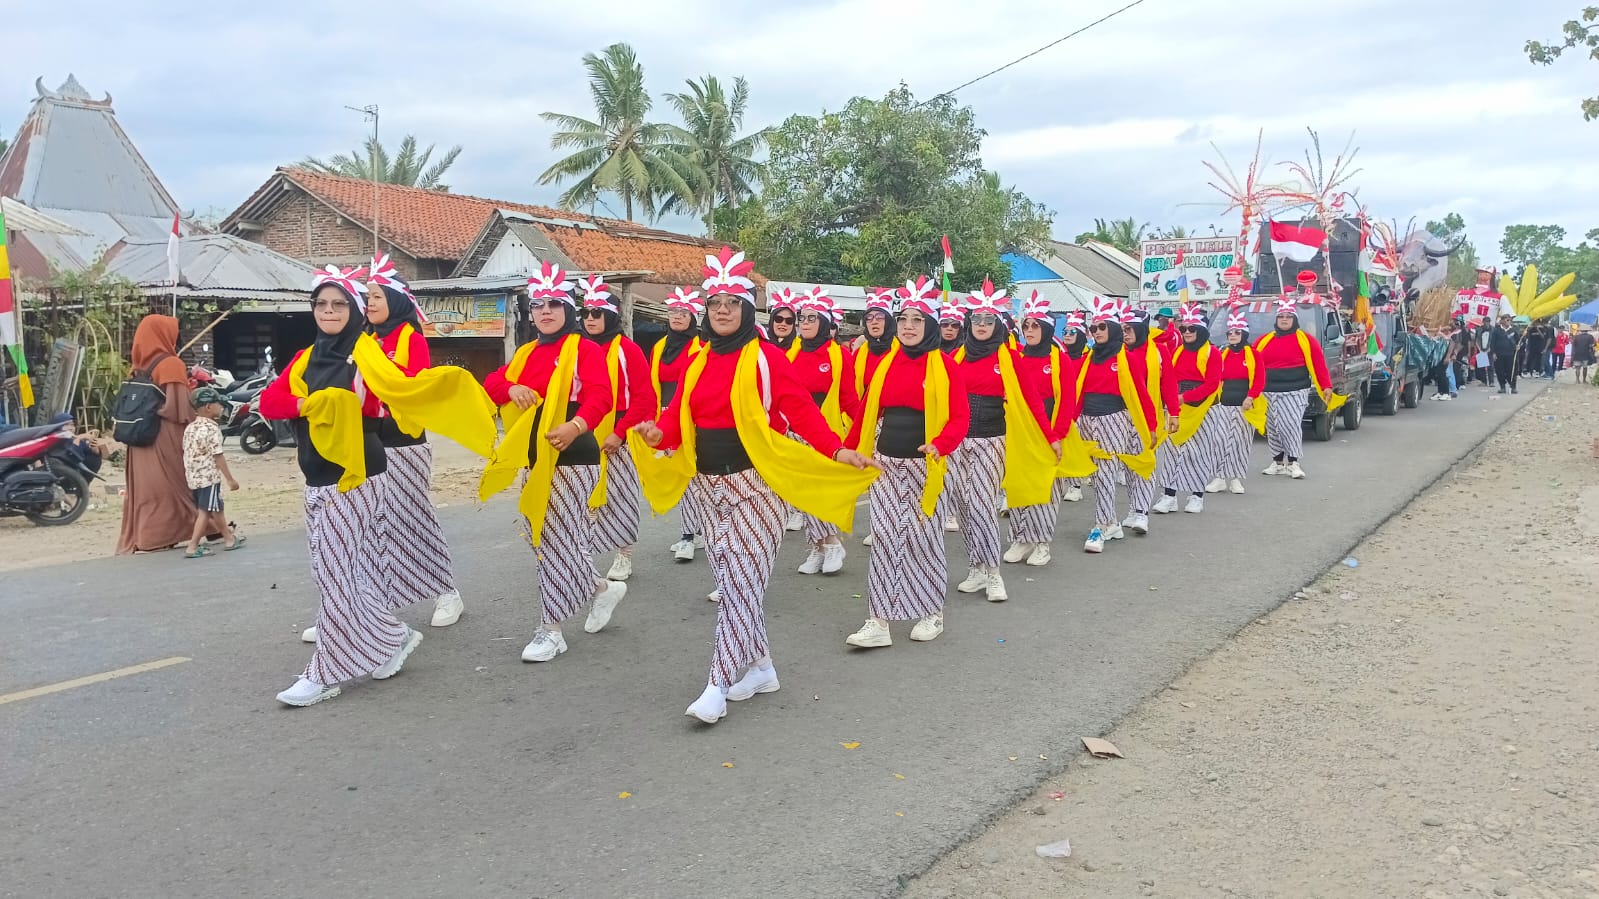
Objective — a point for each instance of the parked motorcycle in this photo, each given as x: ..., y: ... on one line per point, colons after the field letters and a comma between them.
x: 240, y: 418
x: 39, y: 476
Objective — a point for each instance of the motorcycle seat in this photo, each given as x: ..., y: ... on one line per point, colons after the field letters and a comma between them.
x: 23, y: 435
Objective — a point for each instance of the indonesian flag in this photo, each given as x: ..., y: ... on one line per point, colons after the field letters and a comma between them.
x: 949, y: 268
x: 10, y: 333
x: 1181, y: 266
x: 172, y: 252
x: 1300, y: 243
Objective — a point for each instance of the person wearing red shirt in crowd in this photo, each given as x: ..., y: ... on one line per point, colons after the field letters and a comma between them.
x: 782, y: 317
x: 558, y: 367
x: 732, y: 457
x: 1043, y: 366
x: 1192, y: 453
x: 823, y: 368
x: 872, y: 345
x: 980, y: 465
x: 951, y: 327
x: 668, y: 361
x: 634, y: 401
x: 1112, y: 406
x: 916, y: 401
x: 1074, y: 346
x: 1243, y: 378
x: 1153, y: 369
x: 1294, y: 366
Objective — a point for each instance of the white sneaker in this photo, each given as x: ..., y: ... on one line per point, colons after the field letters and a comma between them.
x: 1165, y: 504
x: 1040, y: 555
x: 413, y: 639
x: 714, y: 595
x: 307, y: 692
x: 447, y: 609
x: 1073, y: 495
x: 996, y: 587
x: 976, y: 579
x: 683, y: 550
x: 1138, y: 524
x: 308, y: 635
x: 1216, y: 485
x: 928, y: 628
x: 711, y: 707
x: 1095, y: 542
x: 699, y: 541
x: 1017, y: 552
x: 754, y: 681
x: 952, y: 524
x: 1274, y: 468
x: 1235, y: 486
x: 621, y: 568
x: 867, y: 540
x: 1115, y: 532
x: 604, y: 605
x: 1295, y: 472
x: 812, y: 563
x: 832, y: 558
x: 795, y: 522
x: 1195, y: 504
x: 546, y: 645
x: 872, y: 634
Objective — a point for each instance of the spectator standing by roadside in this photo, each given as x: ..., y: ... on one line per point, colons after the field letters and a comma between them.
x: 158, y: 509
x: 204, y: 468
x: 1582, y: 354
x: 1502, y: 347
x: 1534, y: 343
x: 1557, y: 355
x: 1443, y: 374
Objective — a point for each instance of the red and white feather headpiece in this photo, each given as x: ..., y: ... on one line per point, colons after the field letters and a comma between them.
x: 817, y: 300
x: 1191, y: 314
x: 1036, y: 308
x: 1237, y: 320
x: 988, y: 300
x: 685, y: 300
x: 550, y: 283
x: 922, y: 290
x: 728, y: 273
x: 1077, y: 321
x: 1287, y: 305
x: 346, y: 279
x: 384, y: 274
x: 1106, y: 309
x: 780, y: 298
x: 926, y: 302
x: 880, y: 299
x: 597, y: 294
x: 950, y: 314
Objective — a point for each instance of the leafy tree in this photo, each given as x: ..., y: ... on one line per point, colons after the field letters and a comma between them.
x: 722, y: 165
x: 1175, y: 232
x: 409, y: 166
x: 1583, y: 260
x: 1525, y: 245
x: 618, y: 151
x: 1463, y: 259
x: 4, y: 145
x: 1125, y: 234
x: 1582, y: 32
x: 864, y: 194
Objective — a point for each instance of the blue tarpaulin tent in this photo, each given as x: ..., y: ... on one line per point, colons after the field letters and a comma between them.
x: 1587, y: 313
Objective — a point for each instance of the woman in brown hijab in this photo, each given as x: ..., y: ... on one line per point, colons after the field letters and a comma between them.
x: 158, y: 509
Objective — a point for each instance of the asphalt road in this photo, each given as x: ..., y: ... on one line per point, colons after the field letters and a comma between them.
x: 474, y: 774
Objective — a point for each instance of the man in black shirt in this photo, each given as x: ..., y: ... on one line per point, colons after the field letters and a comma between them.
x: 1503, y: 341
x: 1582, y: 354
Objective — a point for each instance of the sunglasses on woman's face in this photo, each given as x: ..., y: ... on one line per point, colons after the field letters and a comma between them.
x: 905, y: 318
x: 330, y: 304
x: 547, y: 304
x: 782, y: 319
x: 985, y: 319
x: 1188, y: 329
x: 722, y: 302
x: 1099, y: 326
x: 593, y: 313
x: 809, y: 318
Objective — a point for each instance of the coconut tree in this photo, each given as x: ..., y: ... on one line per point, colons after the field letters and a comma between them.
x: 1123, y: 234
x: 722, y: 164
x: 409, y: 166
x: 618, y: 151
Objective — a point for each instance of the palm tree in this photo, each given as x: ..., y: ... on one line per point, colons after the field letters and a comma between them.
x: 1123, y: 234
x: 407, y: 167
x: 723, y: 164
x: 619, y: 152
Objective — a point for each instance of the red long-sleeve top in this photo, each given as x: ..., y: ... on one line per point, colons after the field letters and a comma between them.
x: 1185, y: 368
x: 278, y: 401
x: 1036, y: 370
x: 1235, y: 368
x: 982, y: 378
x: 1104, y: 378
x: 903, y: 388
x: 1282, y: 352
x: 814, y: 371
x: 591, y: 386
x: 635, y: 397
x: 672, y: 372
x: 1167, y: 388
x: 868, y: 362
x: 711, y: 405
x: 419, y: 355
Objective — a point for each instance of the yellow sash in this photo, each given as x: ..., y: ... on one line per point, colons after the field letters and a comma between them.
x: 1255, y: 415
x: 1152, y: 358
x: 1141, y: 463
x: 1189, y: 418
x: 694, y: 346
x: 613, y: 370
x: 801, y: 476
x: 512, y: 454
x: 860, y: 365
x: 402, y: 349
x: 935, y: 416
x: 1304, y: 349
x: 1028, y: 455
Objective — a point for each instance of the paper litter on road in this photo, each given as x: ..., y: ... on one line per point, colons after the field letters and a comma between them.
x: 1101, y: 749
x: 1061, y: 849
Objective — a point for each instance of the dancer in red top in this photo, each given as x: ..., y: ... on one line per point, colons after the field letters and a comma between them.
x: 1043, y: 367
x: 1151, y: 367
x: 870, y: 348
x: 951, y: 327
x: 917, y: 404
x: 1243, y: 378
x: 1192, y: 451
x: 1074, y: 344
x: 556, y: 510
x: 1294, y: 366
x: 633, y: 395
x: 823, y: 368
x: 669, y: 359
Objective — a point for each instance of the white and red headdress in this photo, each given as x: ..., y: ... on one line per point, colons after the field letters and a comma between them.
x: 346, y: 279
x: 1077, y: 321
x: 383, y: 273
x: 685, y: 300
x: 1191, y: 314
x: 728, y: 273
x: 926, y: 302
x: 817, y: 300
x: 880, y: 299
x: 597, y: 294
x: 1106, y: 309
x: 1237, y: 320
x: 550, y: 283
x: 1287, y: 305
x: 948, y: 313
x: 922, y: 289
x: 988, y: 300
x: 781, y: 298
x: 1036, y: 308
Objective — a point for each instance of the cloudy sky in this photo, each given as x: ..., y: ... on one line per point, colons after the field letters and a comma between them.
x: 1447, y: 113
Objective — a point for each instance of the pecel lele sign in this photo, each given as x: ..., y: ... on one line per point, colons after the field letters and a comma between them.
x: 463, y: 315
x: 1204, y: 260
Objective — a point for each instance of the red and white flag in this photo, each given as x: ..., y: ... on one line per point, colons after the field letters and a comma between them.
x: 172, y: 252
x: 1300, y: 243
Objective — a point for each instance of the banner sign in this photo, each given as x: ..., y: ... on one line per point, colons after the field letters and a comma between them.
x: 463, y: 316
x: 1204, y: 260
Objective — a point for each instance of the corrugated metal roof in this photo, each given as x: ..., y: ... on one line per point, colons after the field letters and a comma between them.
x: 1109, y: 277
x: 1062, y: 295
x: 22, y: 217
x: 498, y: 283
x: 219, y: 265
x: 847, y: 296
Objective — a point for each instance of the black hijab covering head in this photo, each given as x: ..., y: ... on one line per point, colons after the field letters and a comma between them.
x: 1243, y: 340
x: 877, y: 346
x: 1278, y: 328
x: 677, y: 341
x: 1045, y: 343
x: 722, y: 345
x: 1140, y: 333
x: 571, y: 326
x: 1104, y: 352
x: 825, y: 329
x: 1075, y: 348
x: 613, y: 328
x: 931, y: 341
x: 1201, y: 336
x: 330, y: 365
x: 982, y: 349
x: 951, y: 345
x: 402, y: 309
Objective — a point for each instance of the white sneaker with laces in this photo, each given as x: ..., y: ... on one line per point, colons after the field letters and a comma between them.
x: 1073, y: 495
x: 604, y: 605
x: 447, y: 609
x: 1039, y: 556
x: 714, y: 596
x: 754, y: 681
x: 812, y: 563
x: 1216, y: 485
x: 1274, y: 468
x: 307, y: 692
x: 952, y: 524
x: 995, y: 591
x: 308, y: 635
x: 699, y: 541
x: 832, y: 558
x: 1115, y: 532
x: 1195, y: 504
x: 683, y: 550
x: 795, y: 522
x: 867, y: 540
x: 976, y: 579
x: 621, y: 568
x: 711, y: 707
x: 1295, y: 472
x: 1138, y: 524
x: 546, y: 645
x: 1095, y: 542
x: 1165, y: 504
x: 1235, y: 486
x: 928, y: 628
x: 1017, y: 552
x: 412, y: 639
x: 872, y: 634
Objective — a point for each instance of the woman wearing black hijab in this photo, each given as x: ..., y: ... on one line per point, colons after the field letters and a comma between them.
x: 1074, y: 346
x: 951, y: 328
x: 1043, y: 365
x: 669, y: 359
x: 1192, y: 450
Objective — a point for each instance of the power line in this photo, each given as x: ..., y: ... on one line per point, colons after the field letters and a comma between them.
x: 1100, y: 20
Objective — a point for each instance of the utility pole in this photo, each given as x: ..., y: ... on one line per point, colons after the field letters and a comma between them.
x: 371, y: 112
